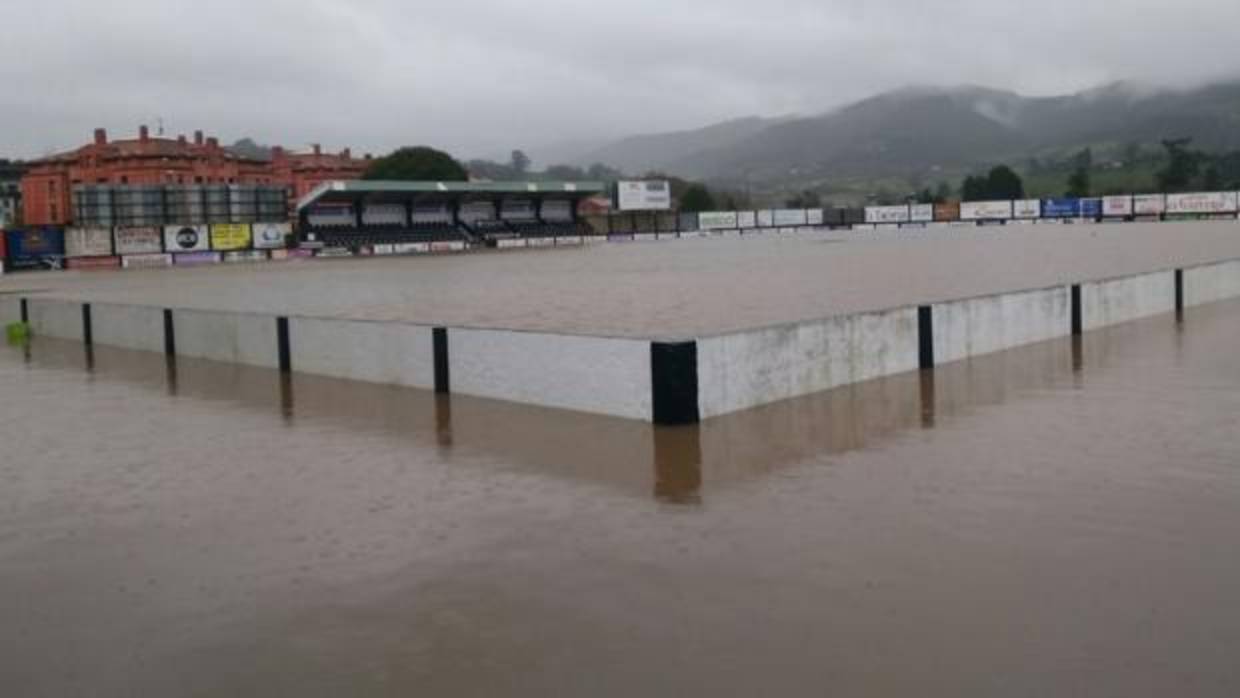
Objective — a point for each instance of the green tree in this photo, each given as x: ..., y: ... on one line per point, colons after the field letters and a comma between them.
x: 520, y: 162
x: 1003, y: 183
x: 942, y: 193
x: 417, y: 163
x: 1183, y: 164
x: 1079, y: 184
x: 974, y: 188
x: 805, y: 199
x: 697, y: 198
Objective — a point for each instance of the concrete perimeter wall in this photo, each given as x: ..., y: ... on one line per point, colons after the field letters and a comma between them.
x: 128, y: 326
x: 979, y: 326
x: 1111, y: 302
x: 1214, y: 282
x: 55, y: 318
x: 231, y: 337
x: 373, y: 352
x: 588, y: 374
x: 749, y: 369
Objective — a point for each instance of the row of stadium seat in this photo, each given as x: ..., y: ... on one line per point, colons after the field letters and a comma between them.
x: 389, y: 236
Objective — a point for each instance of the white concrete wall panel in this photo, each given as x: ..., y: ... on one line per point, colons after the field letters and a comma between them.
x: 128, y: 326
x: 222, y: 336
x: 748, y: 369
x: 374, y: 352
x: 589, y: 374
x: 1105, y: 303
x: 10, y: 308
x: 979, y: 326
x: 1210, y: 283
x: 56, y: 318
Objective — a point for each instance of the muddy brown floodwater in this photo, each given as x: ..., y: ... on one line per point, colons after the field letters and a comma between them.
x: 1057, y: 520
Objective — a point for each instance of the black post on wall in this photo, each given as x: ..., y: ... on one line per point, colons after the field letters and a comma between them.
x: 1179, y: 291
x: 1078, y: 322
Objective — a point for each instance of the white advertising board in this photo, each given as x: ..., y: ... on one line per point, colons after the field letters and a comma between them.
x: 789, y: 216
x: 1149, y: 204
x: 766, y: 219
x: 887, y: 214
x: 1202, y: 202
x: 985, y: 210
x: 1116, y: 206
x: 88, y: 242
x: 814, y: 216
x: 653, y: 195
x: 139, y: 240
x: 1027, y: 208
x: 146, y: 261
x: 187, y: 238
x: 746, y: 219
x: 921, y: 213
x: 271, y: 236
x: 717, y: 220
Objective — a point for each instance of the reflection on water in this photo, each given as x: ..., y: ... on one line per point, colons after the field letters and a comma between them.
x: 1062, y: 515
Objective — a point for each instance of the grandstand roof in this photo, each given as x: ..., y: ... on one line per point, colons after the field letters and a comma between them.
x: 378, y: 190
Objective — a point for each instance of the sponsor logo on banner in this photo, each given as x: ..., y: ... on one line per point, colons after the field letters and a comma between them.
x: 747, y: 219
x: 814, y: 216
x: 88, y: 242
x: 384, y: 250
x: 195, y: 259
x: 412, y: 247
x: 949, y: 211
x: 1091, y: 208
x: 92, y: 263
x: 1027, y: 208
x: 146, y: 261
x: 1202, y: 202
x: 334, y: 252
x: 571, y: 240
x: 186, y: 238
x: 139, y: 240
x: 887, y: 214
x: 230, y: 236
x: 510, y: 244
x: 717, y: 220
x: 789, y: 216
x: 766, y: 219
x: 1117, y: 206
x: 1061, y: 208
x: 921, y: 213
x: 1149, y: 204
x: 985, y: 210
x: 548, y: 242
x: 270, y: 236
x: 448, y: 246
x: 647, y: 237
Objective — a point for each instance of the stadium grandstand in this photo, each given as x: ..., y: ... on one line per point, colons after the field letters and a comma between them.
x: 357, y: 214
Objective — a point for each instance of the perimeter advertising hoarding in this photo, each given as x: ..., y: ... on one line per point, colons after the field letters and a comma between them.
x: 1149, y: 204
x: 1027, y: 209
x: 1202, y: 202
x: 139, y: 240
x: 92, y: 263
x: 448, y: 246
x: 1061, y: 208
x: 510, y: 243
x: 230, y: 236
x: 412, y: 247
x: 195, y: 259
x: 887, y: 214
x: 949, y: 211
x: 921, y: 213
x: 88, y: 242
x: 653, y: 195
x: 985, y: 210
x: 717, y: 220
x: 146, y: 261
x: 1091, y: 208
x: 746, y: 219
x: 271, y: 236
x: 814, y: 216
x: 1117, y: 206
x: 766, y: 219
x: 186, y: 238
x: 789, y: 216
x: 240, y: 256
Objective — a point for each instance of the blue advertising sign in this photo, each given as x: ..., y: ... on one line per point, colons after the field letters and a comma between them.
x: 1062, y: 208
x: 35, y: 248
x: 1091, y: 208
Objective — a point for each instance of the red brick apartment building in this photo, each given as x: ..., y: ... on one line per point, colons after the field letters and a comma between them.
x: 48, y: 184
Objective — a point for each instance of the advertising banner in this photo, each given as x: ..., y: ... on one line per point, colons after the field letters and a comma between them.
x: 271, y: 236
x: 1061, y: 208
x: 887, y: 214
x: 88, y: 242
x: 717, y: 220
x: 569, y: 240
x: 1027, y: 209
x: 1202, y: 202
x: 1091, y: 208
x: 789, y: 216
x: 195, y: 259
x: 186, y: 238
x: 1149, y: 204
x: 654, y: 195
x: 921, y: 213
x: 537, y: 242
x: 814, y: 216
x: 766, y: 219
x: 949, y: 211
x: 146, y: 261
x: 454, y: 245
x: 746, y: 219
x: 139, y: 240
x: 92, y: 263
x: 411, y: 247
x: 1117, y: 206
x: 244, y: 256
x: 510, y: 243
x: 230, y: 236
x: 985, y: 210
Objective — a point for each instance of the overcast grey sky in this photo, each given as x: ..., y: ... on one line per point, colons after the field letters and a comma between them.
x: 483, y: 76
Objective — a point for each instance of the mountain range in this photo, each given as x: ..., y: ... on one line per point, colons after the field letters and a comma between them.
x: 914, y: 131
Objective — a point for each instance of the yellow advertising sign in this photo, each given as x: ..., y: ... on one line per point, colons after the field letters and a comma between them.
x: 230, y: 236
